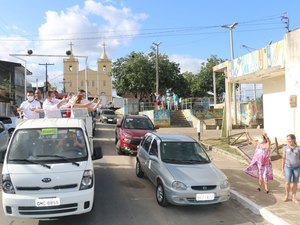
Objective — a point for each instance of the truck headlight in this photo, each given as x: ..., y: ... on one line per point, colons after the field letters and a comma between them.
x: 7, y: 185
x: 179, y: 185
x: 87, y: 180
x: 224, y: 184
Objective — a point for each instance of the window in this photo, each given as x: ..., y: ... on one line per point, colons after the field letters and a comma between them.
x: 104, y: 83
x: 154, y: 149
x: 93, y: 83
x: 147, y: 143
x: 82, y: 83
x: 48, y: 145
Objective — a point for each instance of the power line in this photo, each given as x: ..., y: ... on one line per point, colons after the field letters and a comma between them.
x: 148, y: 33
x: 46, y: 64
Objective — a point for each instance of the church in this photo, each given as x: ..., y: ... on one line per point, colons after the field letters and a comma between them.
x: 96, y: 83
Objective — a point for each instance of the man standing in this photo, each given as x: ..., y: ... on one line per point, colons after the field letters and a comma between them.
x: 30, y: 108
x: 38, y: 97
x: 52, y: 105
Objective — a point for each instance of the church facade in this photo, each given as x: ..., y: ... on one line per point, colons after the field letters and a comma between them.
x: 96, y: 83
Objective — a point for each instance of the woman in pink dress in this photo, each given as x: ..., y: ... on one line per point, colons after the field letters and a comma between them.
x: 261, y: 166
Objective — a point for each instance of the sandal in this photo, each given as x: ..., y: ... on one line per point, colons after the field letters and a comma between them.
x: 267, y: 192
x: 295, y: 201
x: 286, y: 198
x: 258, y: 189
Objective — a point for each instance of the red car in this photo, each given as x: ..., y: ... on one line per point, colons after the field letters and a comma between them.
x: 130, y: 130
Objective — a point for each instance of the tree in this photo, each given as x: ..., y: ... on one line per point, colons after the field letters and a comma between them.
x: 203, y: 82
x: 8, y: 88
x: 136, y: 75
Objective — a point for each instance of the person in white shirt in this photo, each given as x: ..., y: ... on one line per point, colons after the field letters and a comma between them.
x: 30, y: 109
x: 51, y: 105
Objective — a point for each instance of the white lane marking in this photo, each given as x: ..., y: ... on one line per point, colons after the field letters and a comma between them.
x: 104, y: 139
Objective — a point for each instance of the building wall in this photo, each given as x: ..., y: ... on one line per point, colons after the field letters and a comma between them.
x: 275, y: 108
x: 292, y: 71
x: 99, y: 82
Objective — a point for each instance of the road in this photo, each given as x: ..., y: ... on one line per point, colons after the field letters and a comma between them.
x: 123, y: 199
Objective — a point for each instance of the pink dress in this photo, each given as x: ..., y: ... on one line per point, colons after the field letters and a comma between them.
x: 261, y: 166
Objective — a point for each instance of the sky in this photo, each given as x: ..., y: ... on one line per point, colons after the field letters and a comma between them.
x: 189, y: 31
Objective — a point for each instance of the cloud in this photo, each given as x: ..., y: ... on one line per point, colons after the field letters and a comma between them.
x: 187, y: 63
x: 87, y: 27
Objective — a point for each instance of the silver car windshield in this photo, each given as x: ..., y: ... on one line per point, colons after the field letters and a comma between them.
x: 183, y: 153
x: 47, y: 145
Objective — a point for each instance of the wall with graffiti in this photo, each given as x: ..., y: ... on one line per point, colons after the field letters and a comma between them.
x: 250, y: 112
x: 261, y: 59
x: 162, y: 118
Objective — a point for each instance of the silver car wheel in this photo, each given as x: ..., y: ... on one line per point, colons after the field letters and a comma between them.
x: 160, y: 195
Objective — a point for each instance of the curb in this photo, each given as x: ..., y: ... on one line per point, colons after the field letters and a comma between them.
x: 257, y: 209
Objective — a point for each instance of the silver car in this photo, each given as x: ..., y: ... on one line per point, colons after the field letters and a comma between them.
x: 181, y: 170
x: 4, y: 139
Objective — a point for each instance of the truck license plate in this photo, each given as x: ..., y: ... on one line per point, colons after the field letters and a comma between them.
x: 205, y: 197
x: 42, y: 202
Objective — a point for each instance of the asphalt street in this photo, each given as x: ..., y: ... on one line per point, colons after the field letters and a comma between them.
x: 122, y: 198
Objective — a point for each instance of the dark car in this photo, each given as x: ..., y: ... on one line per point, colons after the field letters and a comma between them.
x: 108, y: 116
x: 130, y: 130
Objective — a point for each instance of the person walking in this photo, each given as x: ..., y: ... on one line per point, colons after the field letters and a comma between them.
x: 291, y: 167
x: 30, y: 108
x: 261, y: 166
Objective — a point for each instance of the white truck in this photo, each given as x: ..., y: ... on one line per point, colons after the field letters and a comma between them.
x: 48, y: 169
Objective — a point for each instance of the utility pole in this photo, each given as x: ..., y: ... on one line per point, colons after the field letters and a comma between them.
x: 46, y: 64
x: 64, y: 82
x: 157, y: 77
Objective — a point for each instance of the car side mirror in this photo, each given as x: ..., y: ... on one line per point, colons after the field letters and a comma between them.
x: 156, y: 127
x: 153, y: 158
x: 97, y: 153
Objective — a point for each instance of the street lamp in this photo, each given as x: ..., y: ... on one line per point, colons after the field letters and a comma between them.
x: 157, y: 79
x: 227, y: 84
x: 29, y: 52
x: 231, y: 27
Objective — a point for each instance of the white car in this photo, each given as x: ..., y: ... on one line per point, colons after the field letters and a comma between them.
x: 4, y: 139
x: 9, y: 123
x: 48, y: 170
x: 181, y: 171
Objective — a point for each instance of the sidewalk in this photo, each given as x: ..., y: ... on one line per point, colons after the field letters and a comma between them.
x: 243, y: 187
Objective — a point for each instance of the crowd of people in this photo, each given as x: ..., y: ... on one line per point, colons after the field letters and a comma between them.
x: 52, y: 107
x: 169, y: 101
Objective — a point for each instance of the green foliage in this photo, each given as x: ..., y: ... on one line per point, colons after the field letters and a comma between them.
x: 203, y: 82
x: 8, y: 89
x: 135, y: 75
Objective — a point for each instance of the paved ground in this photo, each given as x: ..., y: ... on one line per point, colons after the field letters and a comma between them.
x: 270, y: 206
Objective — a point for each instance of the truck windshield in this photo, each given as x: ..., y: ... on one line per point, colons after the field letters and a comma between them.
x: 48, y: 145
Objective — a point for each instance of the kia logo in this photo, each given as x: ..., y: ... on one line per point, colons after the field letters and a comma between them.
x: 46, y: 180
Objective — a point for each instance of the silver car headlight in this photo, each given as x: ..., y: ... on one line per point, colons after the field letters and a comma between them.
x: 179, y: 185
x: 224, y: 184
